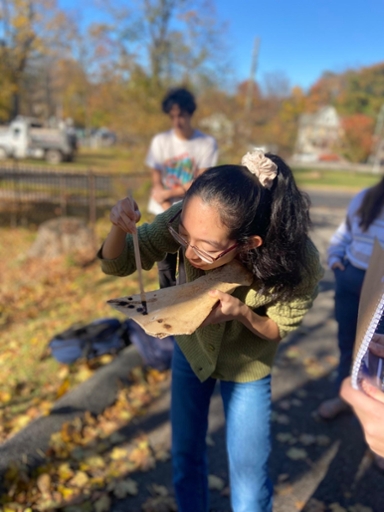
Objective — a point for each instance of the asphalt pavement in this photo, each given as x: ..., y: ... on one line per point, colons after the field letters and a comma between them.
x: 316, y: 466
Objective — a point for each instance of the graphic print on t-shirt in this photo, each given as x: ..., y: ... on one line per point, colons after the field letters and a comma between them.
x: 179, y: 170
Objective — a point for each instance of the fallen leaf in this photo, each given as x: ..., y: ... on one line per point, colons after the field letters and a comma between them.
x: 80, y: 479
x: 336, y: 507
x: 162, y: 455
x: 103, y: 504
x: 43, y: 483
x: 314, y: 505
x: 116, y: 438
x: 284, y: 404
x: 296, y: 453
x: 160, y: 504
x: 119, y: 453
x: 285, y: 437
x: 322, y: 440
x: 283, y: 419
x: 160, y: 490
x: 93, y: 461
x: 215, y: 483
x: 283, y: 489
x: 63, y: 388
x: 307, y: 439
x: 292, y: 353
x: 125, y: 488
x: 5, y: 397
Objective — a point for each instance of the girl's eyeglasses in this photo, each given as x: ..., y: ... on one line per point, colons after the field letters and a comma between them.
x: 207, y: 258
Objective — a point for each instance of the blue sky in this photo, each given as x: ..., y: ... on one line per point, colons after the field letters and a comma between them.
x: 303, y: 38
x: 298, y: 38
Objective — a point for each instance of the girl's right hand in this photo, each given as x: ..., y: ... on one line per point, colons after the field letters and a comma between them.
x: 125, y: 214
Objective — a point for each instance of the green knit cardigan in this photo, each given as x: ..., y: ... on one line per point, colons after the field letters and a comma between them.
x: 226, y: 351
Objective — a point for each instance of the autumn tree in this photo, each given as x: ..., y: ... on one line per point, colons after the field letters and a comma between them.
x: 325, y: 91
x: 363, y: 92
x: 173, y: 41
x: 28, y: 28
x: 358, y: 137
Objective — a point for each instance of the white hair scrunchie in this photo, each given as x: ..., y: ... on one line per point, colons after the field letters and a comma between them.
x: 261, y: 166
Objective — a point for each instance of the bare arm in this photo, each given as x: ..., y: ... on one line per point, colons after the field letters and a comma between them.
x: 156, y: 178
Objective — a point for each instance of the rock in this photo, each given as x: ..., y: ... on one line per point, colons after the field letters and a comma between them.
x: 64, y: 236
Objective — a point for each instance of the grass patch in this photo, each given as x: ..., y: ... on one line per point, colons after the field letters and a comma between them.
x: 120, y: 159
x: 117, y: 159
x: 38, y: 301
x: 351, y: 180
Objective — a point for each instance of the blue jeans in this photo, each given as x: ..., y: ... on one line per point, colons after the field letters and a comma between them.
x: 347, y: 295
x: 247, y: 412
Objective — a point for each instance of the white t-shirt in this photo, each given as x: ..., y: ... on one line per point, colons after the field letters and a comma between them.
x: 178, y: 160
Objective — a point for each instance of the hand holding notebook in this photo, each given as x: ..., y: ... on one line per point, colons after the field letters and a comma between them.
x: 368, y: 360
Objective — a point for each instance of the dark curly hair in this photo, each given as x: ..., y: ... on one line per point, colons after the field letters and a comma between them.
x: 280, y: 216
x: 182, y: 98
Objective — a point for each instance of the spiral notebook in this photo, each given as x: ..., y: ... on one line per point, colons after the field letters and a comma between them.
x: 367, y: 363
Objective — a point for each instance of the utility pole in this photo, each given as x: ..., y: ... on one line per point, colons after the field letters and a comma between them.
x: 248, y: 99
x: 379, y: 141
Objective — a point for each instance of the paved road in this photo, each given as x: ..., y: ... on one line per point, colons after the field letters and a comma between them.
x: 329, y: 200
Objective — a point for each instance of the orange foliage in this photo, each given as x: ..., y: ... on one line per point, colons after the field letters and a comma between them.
x: 358, y: 136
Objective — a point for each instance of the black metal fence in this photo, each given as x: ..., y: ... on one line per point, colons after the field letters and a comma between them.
x: 31, y: 196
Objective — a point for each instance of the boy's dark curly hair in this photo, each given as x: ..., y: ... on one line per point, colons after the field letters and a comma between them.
x: 182, y: 98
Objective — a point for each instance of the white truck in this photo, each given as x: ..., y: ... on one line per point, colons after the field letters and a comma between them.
x: 26, y: 138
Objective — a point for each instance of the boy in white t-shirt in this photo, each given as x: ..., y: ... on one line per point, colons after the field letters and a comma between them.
x: 176, y: 158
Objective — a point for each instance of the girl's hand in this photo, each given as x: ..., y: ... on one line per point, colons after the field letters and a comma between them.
x: 370, y: 411
x: 338, y: 265
x: 228, y: 308
x: 125, y: 214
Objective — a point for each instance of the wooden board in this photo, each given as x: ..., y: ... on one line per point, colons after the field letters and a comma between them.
x: 182, y: 309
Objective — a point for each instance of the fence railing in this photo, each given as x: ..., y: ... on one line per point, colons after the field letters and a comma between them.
x: 31, y: 196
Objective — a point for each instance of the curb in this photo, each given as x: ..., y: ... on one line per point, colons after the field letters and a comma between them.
x: 94, y: 395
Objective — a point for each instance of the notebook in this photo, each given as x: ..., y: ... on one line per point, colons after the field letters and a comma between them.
x: 368, y: 360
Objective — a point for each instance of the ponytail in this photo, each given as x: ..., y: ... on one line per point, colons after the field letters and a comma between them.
x: 280, y: 260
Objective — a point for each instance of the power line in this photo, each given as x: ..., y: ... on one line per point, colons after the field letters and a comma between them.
x: 255, y: 54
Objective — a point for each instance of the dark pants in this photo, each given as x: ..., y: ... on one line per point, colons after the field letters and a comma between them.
x: 348, y: 288
x: 167, y: 270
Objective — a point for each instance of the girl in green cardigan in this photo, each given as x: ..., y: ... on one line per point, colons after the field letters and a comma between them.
x: 256, y: 214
